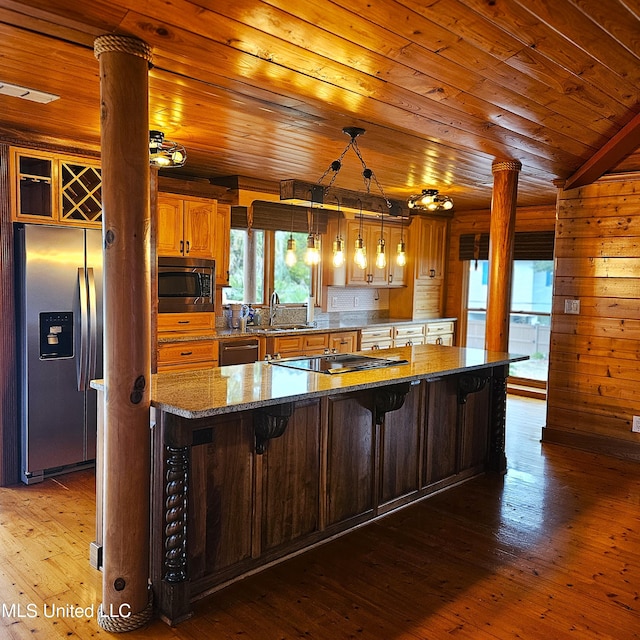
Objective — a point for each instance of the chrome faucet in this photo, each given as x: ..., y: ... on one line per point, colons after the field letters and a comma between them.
x: 275, y: 300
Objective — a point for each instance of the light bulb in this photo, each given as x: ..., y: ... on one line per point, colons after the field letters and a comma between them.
x: 312, y: 255
x: 290, y: 257
x: 338, y: 252
x: 401, y: 256
x: 360, y: 256
x: 381, y: 257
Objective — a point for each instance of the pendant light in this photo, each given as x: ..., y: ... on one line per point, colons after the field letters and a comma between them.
x: 401, y: 255
x: 290, y: 257
x: 381, y: 257
x: 360, y: 255
x: 338, y: 244
x: 312, y: 254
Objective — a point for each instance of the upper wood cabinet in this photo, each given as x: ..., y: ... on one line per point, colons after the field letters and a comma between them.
x: 52, y: 188
x: 185, y: 226
x: 431, y: 247
x: 392, y: 275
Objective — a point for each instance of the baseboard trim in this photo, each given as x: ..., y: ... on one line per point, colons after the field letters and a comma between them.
x: 593, y: 443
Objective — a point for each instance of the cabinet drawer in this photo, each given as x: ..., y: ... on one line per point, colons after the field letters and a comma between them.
x: 408, y: 331
x: 409, y: 341
x: 445, y: 339
x: 377, y: 334
x: 188, y: 351
x: 287, y: 344
x: 374, y: 345
x: 437, y: 328
x: 191, y: 322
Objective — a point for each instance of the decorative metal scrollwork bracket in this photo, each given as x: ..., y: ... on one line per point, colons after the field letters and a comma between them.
x: 470, y: 384
x: 390, y: 399
x: 271, y: 422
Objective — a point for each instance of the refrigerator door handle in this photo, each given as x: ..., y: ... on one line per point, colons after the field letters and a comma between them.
x: 81, y: 365
x: 93, y: 325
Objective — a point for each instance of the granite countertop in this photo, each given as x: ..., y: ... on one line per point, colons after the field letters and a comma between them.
x: 218, y: 390
x: 268, y: 331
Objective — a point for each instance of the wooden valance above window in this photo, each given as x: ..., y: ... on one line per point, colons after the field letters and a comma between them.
x: 274, y: 216
x: 528, y: 245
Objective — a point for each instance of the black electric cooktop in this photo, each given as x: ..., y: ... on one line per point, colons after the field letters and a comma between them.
x: 337, y: 363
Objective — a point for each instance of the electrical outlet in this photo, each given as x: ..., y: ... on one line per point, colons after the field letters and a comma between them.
x: 356, y: 302
x: 635, y: 425
x: 334, y: 302
x: 572, y: 306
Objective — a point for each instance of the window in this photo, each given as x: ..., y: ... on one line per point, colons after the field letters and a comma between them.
x: 293, y: 284
x: 246, y: 267
x: 530, y: 318
x: 252, y: 272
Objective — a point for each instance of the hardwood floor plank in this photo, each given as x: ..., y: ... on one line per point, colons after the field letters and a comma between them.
x: 551, y: 550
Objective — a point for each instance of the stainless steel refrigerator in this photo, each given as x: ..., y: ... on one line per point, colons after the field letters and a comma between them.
x: 59, y: 285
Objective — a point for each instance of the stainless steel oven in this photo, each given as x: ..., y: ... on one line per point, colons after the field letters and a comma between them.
x: 186, y: 284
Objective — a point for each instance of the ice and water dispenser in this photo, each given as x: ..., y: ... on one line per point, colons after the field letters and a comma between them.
x: 56, y: 335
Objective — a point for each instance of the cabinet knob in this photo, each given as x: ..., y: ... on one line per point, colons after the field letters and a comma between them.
x: 432, y: 273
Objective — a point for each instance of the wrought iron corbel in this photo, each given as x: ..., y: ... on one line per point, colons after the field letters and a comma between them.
x: 390, y: 399
x: 271, y: 422
x: 468, y: 383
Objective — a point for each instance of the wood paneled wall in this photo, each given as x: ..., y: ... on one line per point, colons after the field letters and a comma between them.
x: 9, y: 463
x: 478, y: 221
x: 594, y: 371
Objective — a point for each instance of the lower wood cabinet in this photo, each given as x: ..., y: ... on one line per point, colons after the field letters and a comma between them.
x: 187, y: 354
x: 266, y: 483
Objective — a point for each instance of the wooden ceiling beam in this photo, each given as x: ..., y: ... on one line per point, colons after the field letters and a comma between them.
x: 626, y: 141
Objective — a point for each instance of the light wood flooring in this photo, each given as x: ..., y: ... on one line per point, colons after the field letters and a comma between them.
x: 551, y: 550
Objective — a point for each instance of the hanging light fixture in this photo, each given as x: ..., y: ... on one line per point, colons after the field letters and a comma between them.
x: 360, y: 254
x: 165, y: 153
x: 290, y: 257
x: 430, y: 200
x: 319, y: 191
x: 338, y: 244
x: 381, y: 257
x: 401, y: 254
x: 312, y: 254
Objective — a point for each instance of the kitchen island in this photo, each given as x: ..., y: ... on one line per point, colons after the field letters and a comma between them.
x: 255, y: 463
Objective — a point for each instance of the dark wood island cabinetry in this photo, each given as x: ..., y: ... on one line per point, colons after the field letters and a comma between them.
x: 254, y: 463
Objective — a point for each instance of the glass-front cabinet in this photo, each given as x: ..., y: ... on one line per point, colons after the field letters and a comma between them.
x: 52, y: 188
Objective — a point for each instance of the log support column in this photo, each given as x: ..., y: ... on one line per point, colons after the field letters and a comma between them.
x: 124, y: 63
x: 501, y: 241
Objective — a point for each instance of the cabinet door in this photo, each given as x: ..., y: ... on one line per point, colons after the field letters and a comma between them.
x: 396, y: 272
x: 431, y: 250
x: 198, y: 227
x: 170, y: 241
x: 355, y: 275
x: 350, y: 459
x: 221, y: 242
x: 344, y: 342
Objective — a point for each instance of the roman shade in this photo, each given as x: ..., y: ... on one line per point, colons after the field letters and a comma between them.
x: 528, y: 245
x: 273, y: 216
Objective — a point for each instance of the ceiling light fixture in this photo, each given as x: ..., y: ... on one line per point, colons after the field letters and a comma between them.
x: 430, y: 200
x: 165, y: 153
x: 17, y: 91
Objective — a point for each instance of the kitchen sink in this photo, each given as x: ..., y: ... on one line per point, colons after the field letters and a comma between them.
x: 290, y: 327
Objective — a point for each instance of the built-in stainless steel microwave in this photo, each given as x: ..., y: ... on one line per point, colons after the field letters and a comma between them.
x: 186, y: 284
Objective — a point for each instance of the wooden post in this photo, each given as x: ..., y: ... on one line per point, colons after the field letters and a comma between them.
x: 124, y: 63
x: 501, y: 239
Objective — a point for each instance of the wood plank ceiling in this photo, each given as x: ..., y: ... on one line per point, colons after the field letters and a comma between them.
x: 263, y: 88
